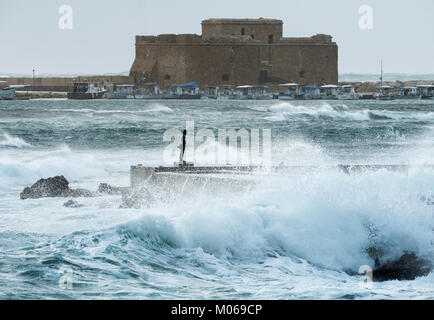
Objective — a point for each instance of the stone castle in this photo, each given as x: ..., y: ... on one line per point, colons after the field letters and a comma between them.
x: 235, y: 52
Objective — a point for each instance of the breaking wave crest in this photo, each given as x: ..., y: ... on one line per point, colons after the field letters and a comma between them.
x: 12, y: 142
x: 152, y: 108
x: 326, y: 218
x: 282, y: 110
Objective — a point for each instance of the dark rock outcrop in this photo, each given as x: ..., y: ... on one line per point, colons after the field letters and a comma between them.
x: 72, y: 204
x: 407, y: 267
x: 52, y: 188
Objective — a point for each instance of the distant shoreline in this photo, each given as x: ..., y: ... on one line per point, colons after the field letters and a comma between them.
x: 357, y: 77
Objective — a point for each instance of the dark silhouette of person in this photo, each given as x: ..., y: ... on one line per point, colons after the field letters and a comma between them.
x: 182, y: 147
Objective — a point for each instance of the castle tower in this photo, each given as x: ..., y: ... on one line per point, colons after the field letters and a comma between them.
x: 266, y: 30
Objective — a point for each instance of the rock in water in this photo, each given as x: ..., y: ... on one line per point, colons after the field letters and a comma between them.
x: 408, y: 267
x: 72, y: 204
x: 52, y: 188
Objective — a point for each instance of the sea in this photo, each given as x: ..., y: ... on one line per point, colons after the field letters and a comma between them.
x: 302, y: 234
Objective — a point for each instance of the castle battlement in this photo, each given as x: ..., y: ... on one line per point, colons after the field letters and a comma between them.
x: 184, y: 39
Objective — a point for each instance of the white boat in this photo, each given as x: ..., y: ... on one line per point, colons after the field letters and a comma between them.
x: 6, y: 92
x: 347, y: 92
x: 226, y: 93
x: 329, y: 92
x: 408, y: 93
x: 260, y: 92
x: 312, y: 92
x: 385, y: 93
x: 244, y: 92
x: 187, y: 91
x: 292, y: 91
x: 121, y: 91
x: 212, y: 92
x: 425, y: 91
x: 151, y: 91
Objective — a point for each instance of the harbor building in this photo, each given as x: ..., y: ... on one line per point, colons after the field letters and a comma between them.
x: 234, y: 52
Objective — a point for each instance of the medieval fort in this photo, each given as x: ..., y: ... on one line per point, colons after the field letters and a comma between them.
x: 235, y: 51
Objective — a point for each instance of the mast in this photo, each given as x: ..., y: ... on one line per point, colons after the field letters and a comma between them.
x: 381, y: 77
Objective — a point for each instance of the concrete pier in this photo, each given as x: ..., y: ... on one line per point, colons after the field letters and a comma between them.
x: 232, y: 178
x: 193, y: 179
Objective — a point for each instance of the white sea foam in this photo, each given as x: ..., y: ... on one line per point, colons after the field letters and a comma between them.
x: 323, y: 218
x: 289, y: 237
x: 308, y: 221
x: 157, y: 107
x: 152, y: 108
x: 317, y: 111
x: 14, y: 142
x: 283, y: 110
x: 26, y: 168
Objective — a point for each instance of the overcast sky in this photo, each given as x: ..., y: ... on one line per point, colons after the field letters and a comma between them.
x: 102, y: 38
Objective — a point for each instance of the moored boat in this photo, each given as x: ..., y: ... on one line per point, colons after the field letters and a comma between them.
x: 312, y: 92
x: 293, y: 92
x: 85, y: 91
x: 260, y: 92
x: 384, y: 90
x: 121, y: 91
x: 226, y: 93
x: 244, y: 92
x: 212, y: 92
x: 187, y: 91
x: 329, y: 92
x: 425, y: 91
x: 151, y: 91
x: 348, y: 92
x: 385, y: 93
x: 6, y: 92
x: 408, y: 93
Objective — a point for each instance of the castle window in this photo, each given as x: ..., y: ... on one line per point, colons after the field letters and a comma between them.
x: 270, y: 39
x: 302, y: 72
x: 243, y: 31
x: 167, y: 77
x: 253, y: 36
x: 225, y: 77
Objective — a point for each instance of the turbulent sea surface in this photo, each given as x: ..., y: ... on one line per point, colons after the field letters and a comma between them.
x: 298, y: 235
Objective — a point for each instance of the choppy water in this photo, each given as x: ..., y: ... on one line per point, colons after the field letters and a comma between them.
x: 293, y: 236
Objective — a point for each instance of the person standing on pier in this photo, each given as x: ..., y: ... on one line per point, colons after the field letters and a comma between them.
x: 182, y: 147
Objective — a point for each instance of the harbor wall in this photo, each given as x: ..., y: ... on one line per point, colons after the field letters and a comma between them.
x: 64, y: 84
